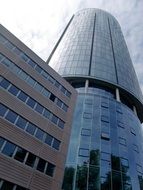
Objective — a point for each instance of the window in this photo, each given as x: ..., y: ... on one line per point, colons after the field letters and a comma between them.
x: 23, y: 75
x: 124, y: 162
x: 39, y: 108
x: 135, y: 148
x: 57, y: 84
x: 63, y: 90
x: 54, y: 119
x: 105, y: 118
x: 20, y: 154
x: 105, y: 156
x: 24, y: 57
x: 7, y: 185
x: 52, y: 97
x: 59, y: 103
x: 68, y: 94
x: 11, y: 116
x: 31, y: 63
x: 51, y: 79
x: 22, y: 96
x: 16, y: 51
x: 21, y: 122
x: 65, y: 107
x: 31, y: 102
x: 9, y: 45
x: 45, y: 75
x: 31, y: 128
x: 139, y: 168
x: 83, y: 152
x: 38, y: 69
x: 48, y: 139
x: 86, y: 132
x: 87, y: 115
x: 133, y: 131
x: 104, y: 104
x: 8, y: 149
x: 122, y: 141
x: 30, y: 160
x: 46, y: 113
x: 45, y: 92
x: 56, y: 144
x: 39, y: 134
x: 120, y: 124
x: 1, y: 142
x: 4, y: 83
x: 38, y: 87
x: 2, y: 39
x: 6, y: 62
x: 31, y: 81
x: 41, y: 165
x: 3, y: 110
x: 61, y: 124
x: 88, y: 101
x: 50, y: 169
x: 13, y: 90
x: 105, y: 136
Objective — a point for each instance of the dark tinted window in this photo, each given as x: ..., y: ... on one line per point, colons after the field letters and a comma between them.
x: 24, y: 56
x: 41, y: 165
x: 65, y: 107
x: 11, y: 116
x: 3, y: 110
x: 13, y: 90
x: 52, y: 97
x: 22, y: 96
x: 39, y: 134
x: 31, y: 63
x: 56, y: 144
x: 31, y: 102
x: 48, y: 139
x: 4, y: 83
x: 20, y: 154
x: 50, y: 169
x: 7, y: 186
x: 30, y: 160
x: 21, y: 122
x: 39, y: 108
x: 38, y: 69
x: 59, y: 103
x: 63, y: 89
x: 31, y: 128
x: 8, y: 149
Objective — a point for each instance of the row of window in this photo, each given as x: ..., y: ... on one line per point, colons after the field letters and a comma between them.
x: 32, y: 82
x: 6, y: 185
x: 31, y: 102
x: 9, y: 149
x: 28, y: 127
x: 34, y: 65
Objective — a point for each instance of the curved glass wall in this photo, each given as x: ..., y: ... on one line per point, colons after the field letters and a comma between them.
x: 105, y: 151
x: 93, y: 46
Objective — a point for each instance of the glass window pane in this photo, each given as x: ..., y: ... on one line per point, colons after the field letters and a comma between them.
x: 45, y: 92
x: 41, y: 165
x: 7, y: 186
x: 9, y: 45
x: 59, y: 103
x: 11, y: 116
x: 48, y: 139
x: 31, y: 63
x: 50, y: 169
x: 39, y: 134
x: 52, y: 97
x: 61, y: 124
x: 4, y: 83
x: 21, y: 122
x: 46, y: 113
x: 23, y: 75
x: 30, y: 160
x: 84, y: 152
x: 2, y: 39
x: 17, y: 51
x: 38, y: 69
x: 3, y: 110
x: 38, y: 87
x: 31, y: 102
x: 6, y: 62
x: 63, y: 89
x: 65, y: 107
x: 56, y: 144
x: 13, y: 90
x: 39, y: 108
x: 24, y: 57
x: 45, y: 75
x: 31, y: 81
x: 22, y: 96
x: 31, y: 128
x: 85, y: 132
x: 54, y: 119
x: 20, y: 154
x: 8, y: 149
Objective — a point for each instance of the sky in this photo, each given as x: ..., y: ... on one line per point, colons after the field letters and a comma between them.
x: 39, y: 23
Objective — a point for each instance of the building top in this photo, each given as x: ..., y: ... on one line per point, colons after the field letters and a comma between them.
x: 93, y: 46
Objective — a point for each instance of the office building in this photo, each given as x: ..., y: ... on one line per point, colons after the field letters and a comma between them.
x: 36, y: 107
x: 106, y: 144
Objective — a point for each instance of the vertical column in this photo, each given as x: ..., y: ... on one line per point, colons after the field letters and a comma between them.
x: 135, y: 110
x: 118, y: 95
x: 86, y: 85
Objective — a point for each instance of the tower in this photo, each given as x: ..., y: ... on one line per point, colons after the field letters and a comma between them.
x: 106, y: 144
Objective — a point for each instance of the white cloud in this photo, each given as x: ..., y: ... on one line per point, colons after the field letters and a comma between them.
x: 39, y: 23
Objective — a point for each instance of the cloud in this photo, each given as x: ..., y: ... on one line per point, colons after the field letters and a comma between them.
x: 39, y: 24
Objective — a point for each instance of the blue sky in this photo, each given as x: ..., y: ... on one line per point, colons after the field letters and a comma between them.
x: 39, y: 23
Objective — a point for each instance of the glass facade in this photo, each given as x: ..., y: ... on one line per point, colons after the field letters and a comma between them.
x: 105, y: 151
x: 106, y: 144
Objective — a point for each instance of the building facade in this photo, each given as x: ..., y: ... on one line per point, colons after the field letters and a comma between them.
x: 36, y: 107
x: 106, y: 144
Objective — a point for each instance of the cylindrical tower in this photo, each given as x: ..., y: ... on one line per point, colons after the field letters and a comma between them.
x: 106, y: 146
